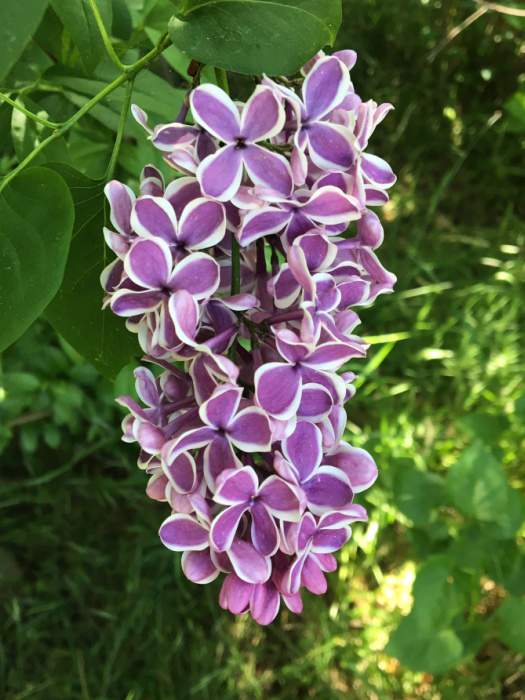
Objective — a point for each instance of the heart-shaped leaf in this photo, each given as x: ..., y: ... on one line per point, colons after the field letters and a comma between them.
x: 76, y: 312
x: 255, y: 36
x: 36, y: 220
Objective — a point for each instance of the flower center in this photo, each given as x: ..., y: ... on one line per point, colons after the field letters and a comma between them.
x: 240, y: 143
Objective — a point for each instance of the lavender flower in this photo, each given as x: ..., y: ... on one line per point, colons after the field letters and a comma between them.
x: 245, y: 444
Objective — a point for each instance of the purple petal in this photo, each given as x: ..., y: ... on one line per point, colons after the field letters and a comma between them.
x: 313, y: 578
x: 264, y: 604
x: 285, y: 288
x: 278, y: 389
x: 146, y: 387
x: 128, y: 303
x: 357, y: 464
x: 202, y: 224
x: 184, y: 312
x: 153, y: 217
x: 220, y: 408
x: 316, y: 403
x: 292, y: 580
x: 303, y: 449
x: 318, y: 251
x: 237, y: 486
x: 258, y: 223
x: 218, y: 458
x: 377, y: 170
x: 150, y: 438
x: 331, y: 146
x: 329, y: 356
x: 181, y: 192
x: 325, y: 87
x: 328, y: 489
x: 267, y: 168
x: 181, y: 532
x: 182, y: 472
x: 280, y: 499
x: 328, y: 205
x: 250, y: 430
x: 148, y: 263
x: 326, y: 541
x: 262, y: 116
x: 215, y: 111
x: 248, y: 563
x: 265, y: 535
x: 120, y: 198
x: 140, y: 116
x: 225, y: 526
x: 220, y: 174
x: 236, y: 594
x: 199, y: 567
x: 169, y: 135
x: 197, y: 274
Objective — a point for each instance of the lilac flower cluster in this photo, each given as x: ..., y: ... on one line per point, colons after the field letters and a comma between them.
x: 240, y: 278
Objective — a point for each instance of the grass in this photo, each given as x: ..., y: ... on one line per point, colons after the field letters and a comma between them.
x: 94, y: 608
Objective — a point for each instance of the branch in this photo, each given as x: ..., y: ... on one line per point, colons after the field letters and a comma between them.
x: 453, y: 33
x: 107, y: 41
x: 35, y: 117
x: 513, y: 11
x: 162, y: 44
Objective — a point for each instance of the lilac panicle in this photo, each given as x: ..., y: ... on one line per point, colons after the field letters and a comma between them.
x: 241, y: 417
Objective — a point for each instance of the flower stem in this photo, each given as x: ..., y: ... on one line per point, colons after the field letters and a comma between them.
x: 162, y: 44
x: 222, y: 80
x: 35, y: 117
x: 120, y: 131
x: 107, y: 41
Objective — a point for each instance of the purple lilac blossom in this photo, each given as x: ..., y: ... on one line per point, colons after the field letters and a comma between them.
x: 241, y: 427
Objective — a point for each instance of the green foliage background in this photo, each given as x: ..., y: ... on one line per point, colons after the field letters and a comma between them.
x: 428, y: 598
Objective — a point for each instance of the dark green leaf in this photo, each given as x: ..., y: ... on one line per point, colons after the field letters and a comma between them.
x: 416, y: 493
x: 36, y: 220
x: 515, y: 108
x: 122, y: 26
x: 430, y: 652
x: 75, y: 312
x: 510, y: 617
x: 477, y: 484
x: 77, y: 17
x: 519, y: 407
x: 18, y: 23
x: 27, y: 134
x: 425, y: 640
x: 484, y: 426
x: 255, y: 36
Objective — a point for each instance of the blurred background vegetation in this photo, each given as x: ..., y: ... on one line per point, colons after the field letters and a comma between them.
x: 93, y: 607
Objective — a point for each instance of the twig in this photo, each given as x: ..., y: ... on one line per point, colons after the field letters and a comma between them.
x: 453, y: 33
x: 513, y: 11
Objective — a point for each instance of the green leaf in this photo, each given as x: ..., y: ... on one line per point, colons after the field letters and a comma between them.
x: 510, y: 617
x: 27, y: 134
x: 484, y: 426
x: 122, y: 25
x: 477, y: 484
x: 254, y: 36
x: 519, y: 407
x: 417, y: 493
x: 18, y: 23
x: 99, y: 336
x: 425, y: 639
x: 78, y: 18
x: 36, y: 219
x: 515, y: 108
x: 433, y: 653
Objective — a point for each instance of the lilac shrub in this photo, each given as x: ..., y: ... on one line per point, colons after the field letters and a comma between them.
x: 241, y: 278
